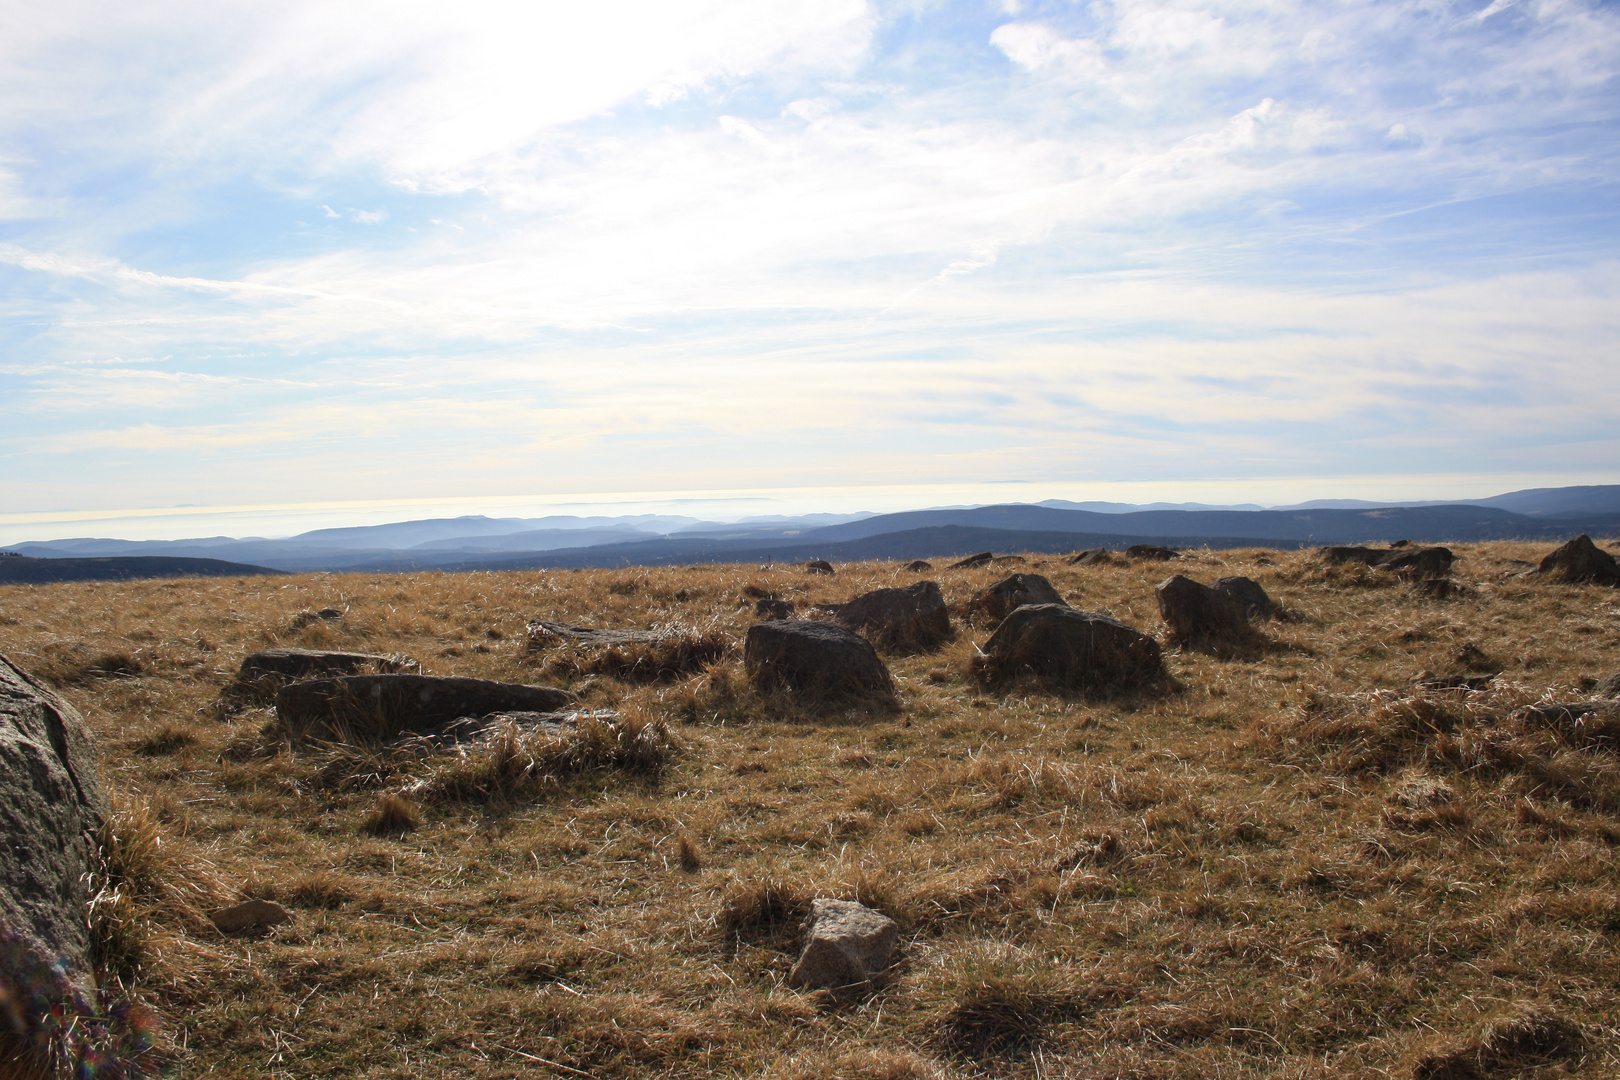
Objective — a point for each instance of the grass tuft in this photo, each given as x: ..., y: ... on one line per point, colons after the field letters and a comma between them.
x: 392, y: 815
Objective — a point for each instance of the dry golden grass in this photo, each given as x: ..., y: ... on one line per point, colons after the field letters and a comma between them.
x: 1296, y: 865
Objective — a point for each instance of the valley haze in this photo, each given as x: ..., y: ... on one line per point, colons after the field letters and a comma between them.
x: 476, y: 542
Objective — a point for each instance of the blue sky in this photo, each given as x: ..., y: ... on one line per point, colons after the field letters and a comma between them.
x: 313, y: 259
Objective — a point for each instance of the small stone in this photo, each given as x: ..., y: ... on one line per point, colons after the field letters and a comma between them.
x: 249, y: 916
x: 818, y: 566
x: 847, y: 945
x: 981, y: 559
x: 919, y: 566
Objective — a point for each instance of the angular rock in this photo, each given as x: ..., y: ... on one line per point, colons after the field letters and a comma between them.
x: 263, y: 673
x: 818, y: 566
x: 1069, y: 650
x: 774, y: 609
x: 912, y: 619
x: 1580, y: 560
x: 1151, y: 552
x: 1246, y: 592
x: 999, y: 600
x: 375, y: 708
x: 919, y: 566
x: 251, y: 915
x: 981, y: 559
x: 816, y: 664
x: 846, y: 946
x: 1197, y: 613
x: 1091, y: 557
x: 51, y: 810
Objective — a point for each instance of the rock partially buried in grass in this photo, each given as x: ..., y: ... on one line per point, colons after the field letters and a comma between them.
x: 981, y: 559
x: 818, y: 566
x: 375, y: 708
x: 998, y: 601
x: 1152, y: 552
x: 1198, y: 613
x: 267, y: 671
x: 250, y: 915
x: 51, y: 809
x: 847, y: 946
x: 919, y: 566
x: 816, y: 665
x: 913, y: 619
x: 774, y: 609
x: 1092, y: 557
x: 1580, y: 561
x: 1067, y: 650
x: 634, y: 656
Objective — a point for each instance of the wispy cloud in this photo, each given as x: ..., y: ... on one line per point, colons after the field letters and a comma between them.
x: 1014, y: 240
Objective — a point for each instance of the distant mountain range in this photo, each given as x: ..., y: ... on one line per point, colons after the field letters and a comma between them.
x: 482, y: 543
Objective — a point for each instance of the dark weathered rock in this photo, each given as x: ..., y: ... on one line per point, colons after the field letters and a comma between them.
x: 816, y: 664
x: 1335, y: 556
x: 1151, y: 552
x: 1417, y: 563
x: 263, y: 673
x: 374, y: 708
x: 846, y: 946
x: 774, y: 609
x: 1578, y: 561
x: 999, y: 600
x: 919, y: 566
x: 1069, y: 650
x: 1197, y: 613
x: 981, y: 559
x: 1092, y: 557
x: 818, y: 566
x: 51, y: 809
x: 1404, y: 560
x: 912, y: 619
x: 1245, y: 592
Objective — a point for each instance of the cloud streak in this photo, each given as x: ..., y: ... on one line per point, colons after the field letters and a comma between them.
x: 802, y: 243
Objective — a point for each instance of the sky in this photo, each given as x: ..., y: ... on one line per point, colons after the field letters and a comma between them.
x: 274, y: 266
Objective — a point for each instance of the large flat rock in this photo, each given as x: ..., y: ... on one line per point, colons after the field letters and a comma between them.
x: 374, y: 708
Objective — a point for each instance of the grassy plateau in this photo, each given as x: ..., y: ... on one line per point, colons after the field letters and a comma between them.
x: 1294, y: 863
